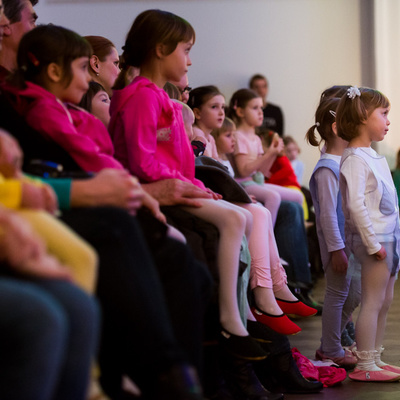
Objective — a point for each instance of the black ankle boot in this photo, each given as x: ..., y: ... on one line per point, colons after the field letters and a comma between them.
x: 241, y: 381
x: 279, y: 373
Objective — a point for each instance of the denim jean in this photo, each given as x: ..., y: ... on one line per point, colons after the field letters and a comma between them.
x: 291, y: 238
x: 48, y: 331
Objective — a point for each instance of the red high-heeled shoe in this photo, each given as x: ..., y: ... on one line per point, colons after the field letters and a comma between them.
x: 296, y: 307
x: 279, y: 323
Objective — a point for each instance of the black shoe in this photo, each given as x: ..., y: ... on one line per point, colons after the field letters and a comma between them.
x: 179, y: 383
x: 345, y: 339
x: 351, y: 330
x: 279, y: 373
x: 305, y: 296
x: 241, y: 382
x: 244, y: 347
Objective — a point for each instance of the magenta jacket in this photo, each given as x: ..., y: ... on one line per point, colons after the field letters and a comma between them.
x: 81, y: 134
x: 148, y: 134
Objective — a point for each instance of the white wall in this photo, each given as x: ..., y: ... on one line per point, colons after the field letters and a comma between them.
x: 302, y: 46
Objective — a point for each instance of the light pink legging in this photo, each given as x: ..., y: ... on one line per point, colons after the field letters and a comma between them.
x: 272, y: 195
x: 266, y: 269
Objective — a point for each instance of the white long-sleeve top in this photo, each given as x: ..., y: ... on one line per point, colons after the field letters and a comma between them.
x: 369, y: 198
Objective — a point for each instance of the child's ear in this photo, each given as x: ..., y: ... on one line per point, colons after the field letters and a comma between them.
x: 54, y: 72
x: 160, y: 50
x: 196, y: 112
x: 240, y: 112
x: 94, y: 63
x: 334, y: 129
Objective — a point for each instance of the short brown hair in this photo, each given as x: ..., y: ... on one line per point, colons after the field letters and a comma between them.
x: 351, y: 113
x: 256, y: 77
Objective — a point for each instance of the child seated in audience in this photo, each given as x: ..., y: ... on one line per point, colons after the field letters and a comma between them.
x: 35, y: 202
x: 292, y: 151
x: 150, y: 141
x: 251, y: 162
x: 281, y: 172
x: 267, y: 276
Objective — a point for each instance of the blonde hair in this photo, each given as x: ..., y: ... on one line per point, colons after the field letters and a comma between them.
x: 227, y: 125
x: 351, y: 113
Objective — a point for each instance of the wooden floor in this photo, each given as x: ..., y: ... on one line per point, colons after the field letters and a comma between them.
x: 307, y: 342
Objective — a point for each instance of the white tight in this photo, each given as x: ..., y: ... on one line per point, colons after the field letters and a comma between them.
x: 376, y: 297
x: 232, y: 223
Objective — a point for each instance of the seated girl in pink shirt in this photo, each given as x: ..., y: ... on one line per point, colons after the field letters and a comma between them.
x: 150, y: 141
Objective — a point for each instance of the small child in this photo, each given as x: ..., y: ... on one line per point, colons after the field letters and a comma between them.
x: 342, y: 286
x: 251, y: 162
x: 281, y: 172
x: 35, y: 202
x: 371, y: 212
x: 292, y: 151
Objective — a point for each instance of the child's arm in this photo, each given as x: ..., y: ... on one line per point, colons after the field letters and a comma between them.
x: 328, y: 189
x: 247, y: 167
x: 354, y: 173
x: 141, y: 127
x: 53, y: 121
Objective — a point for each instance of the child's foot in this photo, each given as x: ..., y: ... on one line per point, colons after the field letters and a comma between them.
x: 296, y: 307
x: 348, y: 361
x: 374, y: 376
x: 279, y: 323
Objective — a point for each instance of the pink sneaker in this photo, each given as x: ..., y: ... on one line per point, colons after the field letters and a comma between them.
x: 391, y: 368
x: 373, y: 376
x: 349, y: 360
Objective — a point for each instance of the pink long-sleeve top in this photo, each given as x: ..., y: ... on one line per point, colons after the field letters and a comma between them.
x: 148, y: 133
x: 81, y: 134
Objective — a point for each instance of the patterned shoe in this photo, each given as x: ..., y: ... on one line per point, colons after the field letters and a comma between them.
x: 374, y: 376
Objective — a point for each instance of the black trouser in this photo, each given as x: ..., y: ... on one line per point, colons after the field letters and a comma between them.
x: 152, y: 301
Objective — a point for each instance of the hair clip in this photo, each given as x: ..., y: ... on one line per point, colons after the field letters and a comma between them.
x: 33, y: 59
x: 353, y: 92
x: 317, y: 124
x: 333, y: 113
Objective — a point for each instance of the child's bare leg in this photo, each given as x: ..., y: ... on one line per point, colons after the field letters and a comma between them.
x: 231, y: 223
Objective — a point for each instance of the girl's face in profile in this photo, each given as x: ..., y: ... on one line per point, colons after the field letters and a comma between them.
x: 225, y: 142
x: 79, y: 84
x: 101, y: 107
x: 176, y: 64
